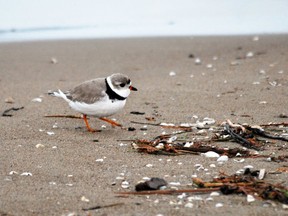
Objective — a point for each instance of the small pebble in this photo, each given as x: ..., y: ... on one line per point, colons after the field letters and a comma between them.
x: 9, y: 100
x: 50, y: 133
x: 53, y: 60
x: 99, y: 160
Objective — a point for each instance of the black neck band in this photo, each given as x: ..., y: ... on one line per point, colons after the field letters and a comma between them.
x: 111, y: 94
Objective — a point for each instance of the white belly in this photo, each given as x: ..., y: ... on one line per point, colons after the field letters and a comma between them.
x: 101, y: 108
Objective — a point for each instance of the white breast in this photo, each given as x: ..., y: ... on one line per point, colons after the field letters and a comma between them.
x: 102, y: 108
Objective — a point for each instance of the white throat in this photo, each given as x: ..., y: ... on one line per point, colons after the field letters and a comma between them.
x: 122, y: 92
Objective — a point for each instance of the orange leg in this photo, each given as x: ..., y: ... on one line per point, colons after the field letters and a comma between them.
x: 113, y: 123
x: 87, y: 124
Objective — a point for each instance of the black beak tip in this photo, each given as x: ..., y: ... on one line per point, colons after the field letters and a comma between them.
x: 133, y: 88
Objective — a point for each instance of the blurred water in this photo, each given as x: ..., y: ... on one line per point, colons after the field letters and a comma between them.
x: 57, y: 19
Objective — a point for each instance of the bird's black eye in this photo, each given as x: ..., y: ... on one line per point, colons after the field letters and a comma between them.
x: 122, y: 85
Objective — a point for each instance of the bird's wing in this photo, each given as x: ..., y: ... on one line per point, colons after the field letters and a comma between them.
x: 88, y: 92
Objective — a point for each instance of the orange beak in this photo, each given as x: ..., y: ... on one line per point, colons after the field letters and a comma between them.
x: 132, y: 88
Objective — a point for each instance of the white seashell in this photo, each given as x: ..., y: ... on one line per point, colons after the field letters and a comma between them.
x: 223, y: 158
x: 149, y: 165
x: 26, y: 174
x: 84, y: 199
x: 172, y: 139
x: 248, y: 167
x: 39, y: 145
x: 175, y: 183
x: 125, y: 184
x: 219, y: 205
x: 197, y: 61
x: 181, y: 196
x: 249, y: 54
x: 211, y: 154
x: 240, y: 171
x: 172, y: 73
x: 197, y: 198
x: 215, y: 193
x: 250, y: 198
x: 188, y: 144
x: 99, y: 160
x: 39, y: 100
x: 13, y: 172
x: 50, y: 133
x: 240, y: 160
x: 261, y: 174
x: 188, y: 205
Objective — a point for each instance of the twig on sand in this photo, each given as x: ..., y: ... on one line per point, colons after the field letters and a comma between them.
x: 6, y: 113
x: 170, y: 192
x: 102, y: 206
x: 64, y: 116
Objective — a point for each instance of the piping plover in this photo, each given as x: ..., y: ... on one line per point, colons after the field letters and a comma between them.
x: 101, y: 97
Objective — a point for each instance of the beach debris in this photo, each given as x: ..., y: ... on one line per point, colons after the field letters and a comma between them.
x: 152, y: 184
x: 283, y: 115
x: 50, y: 133
x: 6, y: 113
x: 102, y: 206
x: 137, y: 113
x: 9, y: 100
x: 246, y: 183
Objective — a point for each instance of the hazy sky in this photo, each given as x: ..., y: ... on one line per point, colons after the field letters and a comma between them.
x: 149, y: 16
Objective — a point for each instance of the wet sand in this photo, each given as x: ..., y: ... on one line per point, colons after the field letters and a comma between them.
x: 242, y: 78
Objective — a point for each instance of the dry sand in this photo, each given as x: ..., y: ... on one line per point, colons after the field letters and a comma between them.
x: 65, y: 169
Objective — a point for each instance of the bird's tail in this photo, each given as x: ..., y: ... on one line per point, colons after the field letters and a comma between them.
x: 60, y: 94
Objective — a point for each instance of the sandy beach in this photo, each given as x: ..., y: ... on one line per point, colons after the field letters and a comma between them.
x: 241, y: 78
